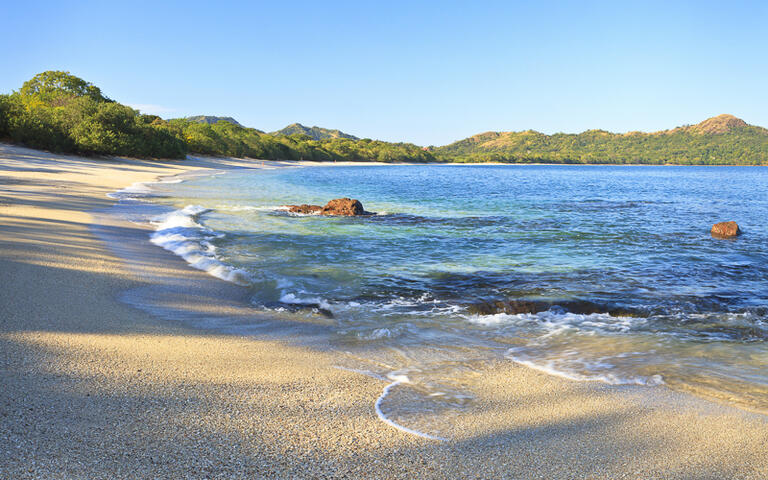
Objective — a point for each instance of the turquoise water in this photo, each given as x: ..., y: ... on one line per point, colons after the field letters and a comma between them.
x: 629, y: 286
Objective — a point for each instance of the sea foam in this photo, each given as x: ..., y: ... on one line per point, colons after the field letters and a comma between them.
x: 292, y: 298
x: 544, y: 351
x: 181, y: 233
x: 552, y: 368
x: 398, y: 380
x: 140, y: 189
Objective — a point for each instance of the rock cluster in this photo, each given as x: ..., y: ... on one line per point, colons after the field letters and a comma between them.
x: 347, y: 207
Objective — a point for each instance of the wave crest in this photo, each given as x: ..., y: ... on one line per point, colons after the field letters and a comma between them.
x: 181, y: 233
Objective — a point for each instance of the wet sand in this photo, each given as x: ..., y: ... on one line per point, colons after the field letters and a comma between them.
x: 95, y: 385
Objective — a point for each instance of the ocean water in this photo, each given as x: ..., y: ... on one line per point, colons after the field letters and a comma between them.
x: 594, y: 273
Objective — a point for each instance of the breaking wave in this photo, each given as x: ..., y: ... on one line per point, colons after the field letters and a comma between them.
x: 181, y: 233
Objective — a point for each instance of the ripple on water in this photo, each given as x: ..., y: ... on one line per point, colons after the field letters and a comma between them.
x: 666, y: 302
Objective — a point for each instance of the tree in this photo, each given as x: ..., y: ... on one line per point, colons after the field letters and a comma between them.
x: 55, y: 87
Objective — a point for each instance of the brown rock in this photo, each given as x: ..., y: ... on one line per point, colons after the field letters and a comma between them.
x: 305, y: 209
x: 344, y: 206
x: 725, y: 229
x: 341, y: 206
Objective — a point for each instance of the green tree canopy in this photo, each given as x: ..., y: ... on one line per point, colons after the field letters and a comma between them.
x: 56, y: 87
x: 60, y: 112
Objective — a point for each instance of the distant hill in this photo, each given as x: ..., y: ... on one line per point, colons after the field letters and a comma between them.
x: 719, y: 140
x: 716, y: 125
x: 211, y: 119
x: 317, y: 133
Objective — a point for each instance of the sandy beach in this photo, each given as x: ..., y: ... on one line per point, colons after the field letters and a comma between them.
x: 96, y: 385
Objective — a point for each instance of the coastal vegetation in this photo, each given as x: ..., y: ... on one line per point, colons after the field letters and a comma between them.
x: 60, y: 112
x: 212, y: 119
x: 227, y: 139
x: 721, y: 140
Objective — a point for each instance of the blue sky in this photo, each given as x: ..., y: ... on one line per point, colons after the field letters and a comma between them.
x: 423, y: 72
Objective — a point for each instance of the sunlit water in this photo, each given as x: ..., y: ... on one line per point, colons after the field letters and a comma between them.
x: 413, y: 287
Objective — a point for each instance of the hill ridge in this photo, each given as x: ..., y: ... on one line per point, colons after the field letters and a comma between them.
x: 718, y: 140
x: 317, y: 133
x: 722, y: 123
x: 211, y: 119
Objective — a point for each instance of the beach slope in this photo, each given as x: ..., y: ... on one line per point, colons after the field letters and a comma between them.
x: 94, y: 387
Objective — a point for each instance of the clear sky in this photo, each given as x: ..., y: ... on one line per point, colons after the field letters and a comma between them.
x: 423, y: 72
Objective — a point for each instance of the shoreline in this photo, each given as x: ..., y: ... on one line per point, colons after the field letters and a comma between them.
x: 289, y: 163
x: 97, y: 388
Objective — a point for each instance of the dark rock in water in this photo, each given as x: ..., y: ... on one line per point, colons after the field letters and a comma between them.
x: 731, y: 332
x: 347, y: 207
x: 514, y: 307
x: 301, y: 307
x: 585, y: 307
x: 305, y: 209
x: 725, y: 229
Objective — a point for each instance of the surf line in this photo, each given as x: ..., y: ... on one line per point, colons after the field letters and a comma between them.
x: 389, y: 422
x: 384, y: 393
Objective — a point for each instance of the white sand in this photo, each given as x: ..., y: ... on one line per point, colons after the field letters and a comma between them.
x: 94, y: 388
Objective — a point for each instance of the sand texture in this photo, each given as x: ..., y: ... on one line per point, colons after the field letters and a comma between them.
x: 95, y: 385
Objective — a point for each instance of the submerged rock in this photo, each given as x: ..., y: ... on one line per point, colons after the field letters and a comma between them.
x: 515, y: 307
x: 512, y: 307
x: 725, y: 229
x: 347, y: 207
x: 301, y: 308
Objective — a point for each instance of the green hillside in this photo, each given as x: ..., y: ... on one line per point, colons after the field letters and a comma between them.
x: 720, y: 140
x: 60, y: 112
x: 211, y: 119
x: 316, y: 133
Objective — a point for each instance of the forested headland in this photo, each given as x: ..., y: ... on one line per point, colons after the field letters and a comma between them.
x: 60, y: 112
x: 721, y: 140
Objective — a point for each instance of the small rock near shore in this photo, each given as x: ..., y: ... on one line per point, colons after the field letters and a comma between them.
x: 343, y: 206
x: 725, y: 229
x: 304, y: 209
x: 348, y: 207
